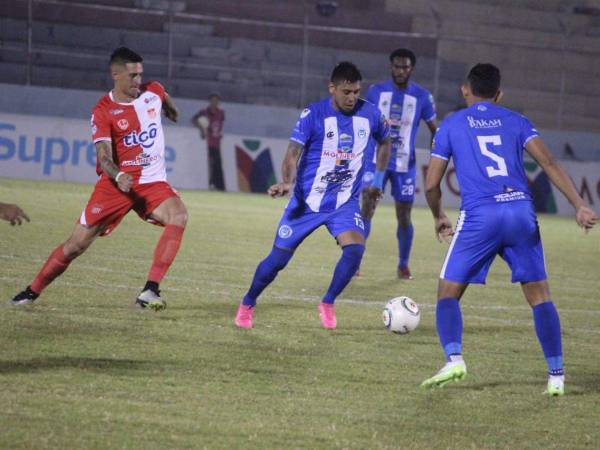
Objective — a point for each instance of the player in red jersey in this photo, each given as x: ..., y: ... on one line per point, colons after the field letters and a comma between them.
x: 129, y: 140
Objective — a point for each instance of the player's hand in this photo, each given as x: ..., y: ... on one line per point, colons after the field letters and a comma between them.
x: 12, y: 213
x: 374, y: 194
x: 586, y: 218
x: 443, y: 229
x: 125, y: 182
x: 279, y: 189
x: 172, y: 114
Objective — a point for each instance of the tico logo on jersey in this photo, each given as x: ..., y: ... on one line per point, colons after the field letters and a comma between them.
x: 145, y: 138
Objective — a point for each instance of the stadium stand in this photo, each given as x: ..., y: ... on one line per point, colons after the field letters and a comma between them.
x: 226, y: 47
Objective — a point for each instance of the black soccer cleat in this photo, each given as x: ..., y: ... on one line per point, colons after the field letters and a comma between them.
x: 26, y: 297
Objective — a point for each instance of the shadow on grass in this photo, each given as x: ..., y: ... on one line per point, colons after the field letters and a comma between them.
x: 62, y: 362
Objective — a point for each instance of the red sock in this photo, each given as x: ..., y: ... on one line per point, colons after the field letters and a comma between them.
x: 56, y: 264
x: 166, y: 250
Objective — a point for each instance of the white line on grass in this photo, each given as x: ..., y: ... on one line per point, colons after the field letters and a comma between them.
x: 309, y: 299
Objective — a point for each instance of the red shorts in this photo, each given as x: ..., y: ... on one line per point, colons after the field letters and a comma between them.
x: 108, y: 205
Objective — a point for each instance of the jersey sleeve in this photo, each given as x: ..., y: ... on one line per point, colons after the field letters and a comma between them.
x: 157, y: 88
x: 100, y: 126
x: 527, y: 131
x: 441, y: 147
x: 428, y: 111
x: 303, y: 128
x: 381, y: 130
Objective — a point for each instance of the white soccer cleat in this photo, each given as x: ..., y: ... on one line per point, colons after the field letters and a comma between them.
x: 151, y: 300
x: 556, y: 385
x: 452, y: 371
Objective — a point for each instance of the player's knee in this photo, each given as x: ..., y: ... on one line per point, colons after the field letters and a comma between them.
x: 280, y: 258
x: 74, y: 248
x: 178, y: 217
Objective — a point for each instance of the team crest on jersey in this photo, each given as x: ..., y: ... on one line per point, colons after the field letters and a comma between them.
x: 362, y: 133
x: 152, y: 113
x: 123, y: 124
x: 304, y: 113
x: 285, y: 231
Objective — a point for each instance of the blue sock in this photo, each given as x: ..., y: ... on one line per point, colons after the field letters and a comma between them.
x: 405, y: 239
x: 266, y: 273
x: 547, y: 328
x: 448, y: 321
x: 344, y: 271
x: 367, y: 223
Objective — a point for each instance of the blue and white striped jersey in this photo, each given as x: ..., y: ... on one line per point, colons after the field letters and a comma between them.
x: 404, y: 109
x: 336, y: 147
x: 486, y: 143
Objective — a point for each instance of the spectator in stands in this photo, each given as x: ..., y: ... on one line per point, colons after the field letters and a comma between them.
x: 210, y: 123
x: 12, y: 213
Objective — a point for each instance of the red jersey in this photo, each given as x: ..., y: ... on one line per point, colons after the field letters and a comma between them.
x: 136, y: 133
x: 215, y: 125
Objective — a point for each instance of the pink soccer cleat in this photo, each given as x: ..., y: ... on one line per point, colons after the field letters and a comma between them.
x: 327, y: 313
x: 243, y: 318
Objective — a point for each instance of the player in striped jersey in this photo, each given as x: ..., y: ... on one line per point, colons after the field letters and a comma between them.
x: 329, y: 146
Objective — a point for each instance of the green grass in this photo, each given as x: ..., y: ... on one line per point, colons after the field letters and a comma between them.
x: 83, y: 369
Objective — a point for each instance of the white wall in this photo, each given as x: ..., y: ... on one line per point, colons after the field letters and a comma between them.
x: 55, y: 148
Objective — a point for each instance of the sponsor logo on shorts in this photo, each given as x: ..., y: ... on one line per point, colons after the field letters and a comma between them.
x: 285, y: 231
x: 123, y: 124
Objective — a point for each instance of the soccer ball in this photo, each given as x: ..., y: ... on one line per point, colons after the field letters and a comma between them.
x: 401, y: 315
x: 203, y: 122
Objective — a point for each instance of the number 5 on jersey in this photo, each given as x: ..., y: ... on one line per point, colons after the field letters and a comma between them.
x: 483, y: 146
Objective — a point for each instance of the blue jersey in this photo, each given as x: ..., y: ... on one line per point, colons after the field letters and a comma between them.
x: 486, y: 142
x: 336, y: 147
x: 404, y: 109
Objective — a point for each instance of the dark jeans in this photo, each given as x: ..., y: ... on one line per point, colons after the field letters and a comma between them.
x: 215, y: 169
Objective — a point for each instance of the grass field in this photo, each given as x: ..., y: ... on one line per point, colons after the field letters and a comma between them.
x: 83, y: 369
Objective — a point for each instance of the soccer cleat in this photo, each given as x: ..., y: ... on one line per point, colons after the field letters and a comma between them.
x: 556, y: 385
x: 23, y: 298
x: 452, y: 371
x: 327, y: 314
x: 404, y: 273
x: 151, y: 300
x: 244, y: 316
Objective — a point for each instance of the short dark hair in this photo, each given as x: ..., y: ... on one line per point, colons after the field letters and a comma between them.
x: 345, y: 71
x: 484, y: 80
x: 404, y: 53
x: 213, y: 95
x: 124, y: 55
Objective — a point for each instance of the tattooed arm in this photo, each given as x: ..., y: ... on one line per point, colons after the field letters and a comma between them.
x: 108, y: 166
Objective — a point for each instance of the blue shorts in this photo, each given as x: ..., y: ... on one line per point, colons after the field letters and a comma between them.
x: 506, y: 229
x: 403, y: 184
x: 298, y: 221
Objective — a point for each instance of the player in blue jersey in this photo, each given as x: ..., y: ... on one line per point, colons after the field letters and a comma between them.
x: 497, y: 217
x: 325, y: 158
x: 404, y: 104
